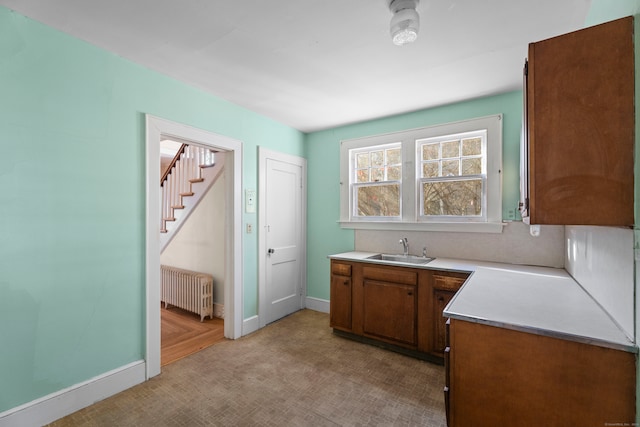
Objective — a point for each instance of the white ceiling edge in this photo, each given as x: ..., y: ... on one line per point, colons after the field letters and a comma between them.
x: 319, y: 64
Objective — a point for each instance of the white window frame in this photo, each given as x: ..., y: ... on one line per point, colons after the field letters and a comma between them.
x: 357, y: 185
x: 410, y: 182
x: 482, y: 133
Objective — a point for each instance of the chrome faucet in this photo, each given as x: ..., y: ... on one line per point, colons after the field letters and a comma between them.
x: 405, y: 245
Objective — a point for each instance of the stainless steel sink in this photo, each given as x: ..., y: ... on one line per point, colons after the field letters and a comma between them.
x: 401, y: 259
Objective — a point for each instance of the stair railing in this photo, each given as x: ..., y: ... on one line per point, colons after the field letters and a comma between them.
x: 184, y: 170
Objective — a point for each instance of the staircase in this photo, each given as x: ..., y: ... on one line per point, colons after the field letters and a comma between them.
x: 191, y: 173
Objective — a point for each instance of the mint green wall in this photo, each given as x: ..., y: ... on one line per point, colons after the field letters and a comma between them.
x: 72, y: 231
x: 72, y: 202
x: 325, y: 236
x: 608, y: 10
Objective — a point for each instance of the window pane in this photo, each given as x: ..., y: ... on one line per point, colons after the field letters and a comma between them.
x: 472, y: 147
x: 362, y: 160
x: 448, y: 173
x: 430, y: 170
x: 472, y: 166
x: 450, y: 167
x: 430, y: 151
x: 378, y: 200
x: 451, y: 149
x: 394, y: 173
x: 455, y: 198
x: 394, y: 156
x: 377, y: 174
x: 377, y: 158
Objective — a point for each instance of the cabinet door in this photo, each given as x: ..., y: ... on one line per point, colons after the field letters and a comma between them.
x: 580, y: 107
x: 445, y: 286
x: 340, y: 316
x: 341, y: 297
x: 499, y: 375
x: 390, y: 311
x: 447, y: 375
x: 441, y: 299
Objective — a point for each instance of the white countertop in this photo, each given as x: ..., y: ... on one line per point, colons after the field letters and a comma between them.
x: 546, y: 301
x: 541, y: 300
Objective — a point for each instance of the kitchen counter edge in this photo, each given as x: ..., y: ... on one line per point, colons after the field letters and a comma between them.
x: 470, y: 266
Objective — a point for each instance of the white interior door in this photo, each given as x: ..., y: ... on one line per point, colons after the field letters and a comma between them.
x: 283, y: 230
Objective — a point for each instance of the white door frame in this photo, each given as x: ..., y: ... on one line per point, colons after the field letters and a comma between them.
x: 158, y: 128
x: 263, y: 155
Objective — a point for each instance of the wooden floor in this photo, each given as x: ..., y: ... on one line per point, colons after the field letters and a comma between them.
x: 183, y: 334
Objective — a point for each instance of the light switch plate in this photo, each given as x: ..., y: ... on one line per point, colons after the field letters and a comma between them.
x: 250, y: 201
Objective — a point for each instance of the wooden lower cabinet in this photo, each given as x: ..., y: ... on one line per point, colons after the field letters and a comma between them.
x: 341, y: 289
x: 502, y: 377
x: 444, y: 287
x: 390, y: 305
x: 397, y: 307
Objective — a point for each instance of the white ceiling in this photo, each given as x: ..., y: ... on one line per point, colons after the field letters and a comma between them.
x: 317, y: 64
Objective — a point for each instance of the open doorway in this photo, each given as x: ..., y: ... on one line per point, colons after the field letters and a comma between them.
x: 183, y: 334
x: 192, y: 250
x: 157, y: 130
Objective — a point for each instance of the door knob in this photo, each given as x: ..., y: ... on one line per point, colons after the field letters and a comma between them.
x: 270, y: 251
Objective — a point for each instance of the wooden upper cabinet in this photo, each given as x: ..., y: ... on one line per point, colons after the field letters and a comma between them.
x: 579, y: 108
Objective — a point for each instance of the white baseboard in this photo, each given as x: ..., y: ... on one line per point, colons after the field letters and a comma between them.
x: 218, y: 310
x: 249, y: 325
x: 64, y: 402
x: 317, y: 304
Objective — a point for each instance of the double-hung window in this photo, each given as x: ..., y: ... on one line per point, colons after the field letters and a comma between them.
x: 444, y: 177
x: 376, y: 175
x: 452, y: 177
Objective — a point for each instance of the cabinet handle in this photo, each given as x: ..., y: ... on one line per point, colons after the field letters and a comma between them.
x: 346, y: 282
x: 409, y: 293
x: 440, y: 299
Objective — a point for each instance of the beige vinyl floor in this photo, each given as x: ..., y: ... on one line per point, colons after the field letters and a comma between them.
x: 294, y: 372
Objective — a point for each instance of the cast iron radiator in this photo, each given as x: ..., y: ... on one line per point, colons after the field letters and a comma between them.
x: 188, y: 290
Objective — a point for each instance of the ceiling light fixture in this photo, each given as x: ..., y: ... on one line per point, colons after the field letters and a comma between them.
x: 405, y: 22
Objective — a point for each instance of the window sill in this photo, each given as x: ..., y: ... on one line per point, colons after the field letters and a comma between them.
x: 456, y: 227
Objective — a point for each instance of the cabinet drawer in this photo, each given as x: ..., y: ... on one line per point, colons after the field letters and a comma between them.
x: 446, y: 404
x: 448, y: 283
x: 390, y: 275
x: 446, y: 332
x: 341, y: 269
